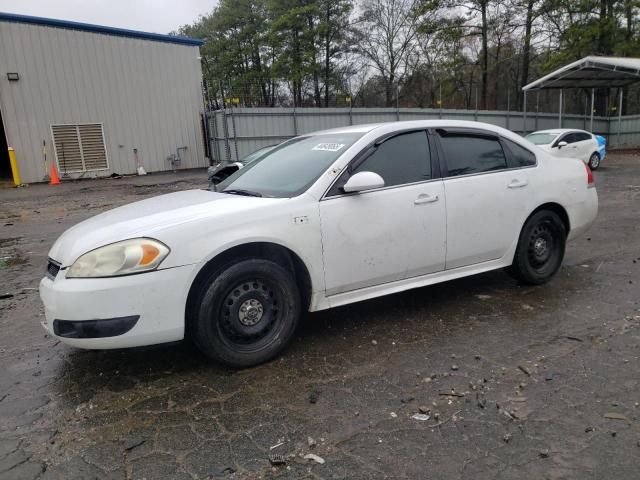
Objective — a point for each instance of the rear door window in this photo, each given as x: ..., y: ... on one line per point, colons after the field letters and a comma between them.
x: 569, y: 138
x: 581, y: 136
x: 469, y: 154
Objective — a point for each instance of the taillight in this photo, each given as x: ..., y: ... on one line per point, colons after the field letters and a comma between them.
x: 590, y: 181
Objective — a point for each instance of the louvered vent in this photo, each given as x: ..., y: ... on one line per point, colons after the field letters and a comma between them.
x: 79, y: 148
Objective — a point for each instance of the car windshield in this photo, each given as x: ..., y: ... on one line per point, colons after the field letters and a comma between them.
x: 541, y: 138
x: 290, y: 168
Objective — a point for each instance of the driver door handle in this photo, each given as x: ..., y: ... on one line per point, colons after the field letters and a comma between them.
x: 425, y: 198
x: 515, y: 183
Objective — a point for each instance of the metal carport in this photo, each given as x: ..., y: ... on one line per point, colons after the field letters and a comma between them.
x: 590, y: 72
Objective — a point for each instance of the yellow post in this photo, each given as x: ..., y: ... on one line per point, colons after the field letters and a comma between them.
x: 14, y: 166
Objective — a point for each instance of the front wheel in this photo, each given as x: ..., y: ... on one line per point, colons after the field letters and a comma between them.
x: 247, y: 313
x: 594, y: 161
x: 540, y: 248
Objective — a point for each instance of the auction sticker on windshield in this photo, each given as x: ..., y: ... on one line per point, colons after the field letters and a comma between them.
x: 329, y: 147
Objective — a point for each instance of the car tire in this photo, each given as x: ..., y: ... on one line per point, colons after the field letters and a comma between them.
x: 540, y: 249
x: 594, y: 161
x: 247, y: 313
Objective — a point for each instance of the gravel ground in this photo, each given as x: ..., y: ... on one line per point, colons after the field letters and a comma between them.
x: 510, y: 381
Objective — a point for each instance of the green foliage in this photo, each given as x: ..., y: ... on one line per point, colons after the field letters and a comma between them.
x: 410, y: 52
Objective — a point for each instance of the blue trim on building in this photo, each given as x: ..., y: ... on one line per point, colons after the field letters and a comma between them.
x: 86, y: 27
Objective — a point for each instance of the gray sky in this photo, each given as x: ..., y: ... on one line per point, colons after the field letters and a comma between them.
x: 159, y: 16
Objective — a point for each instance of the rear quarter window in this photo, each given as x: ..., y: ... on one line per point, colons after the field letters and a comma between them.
x: 520, y: 156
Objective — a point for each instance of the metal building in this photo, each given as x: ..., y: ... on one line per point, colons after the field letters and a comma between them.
x: 97, y: 100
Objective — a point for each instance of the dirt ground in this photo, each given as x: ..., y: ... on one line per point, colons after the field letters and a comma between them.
x: 512, y: 382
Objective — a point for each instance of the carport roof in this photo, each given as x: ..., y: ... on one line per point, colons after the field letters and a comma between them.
x: 591, y: 72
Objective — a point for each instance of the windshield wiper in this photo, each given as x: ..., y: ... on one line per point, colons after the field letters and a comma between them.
x: 246, y: 193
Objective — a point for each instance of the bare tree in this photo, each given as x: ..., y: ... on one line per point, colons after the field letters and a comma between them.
x: 388, y: 29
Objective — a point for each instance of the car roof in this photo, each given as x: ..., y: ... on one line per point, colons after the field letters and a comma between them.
x: 559, y: 131
x: 402, y: 125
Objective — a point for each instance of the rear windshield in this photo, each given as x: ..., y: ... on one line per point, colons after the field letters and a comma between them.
x: 290, y: 168
x: 541, y: 138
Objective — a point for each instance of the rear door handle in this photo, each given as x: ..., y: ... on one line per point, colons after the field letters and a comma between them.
x: 424, y: 198
x: 517, y: 183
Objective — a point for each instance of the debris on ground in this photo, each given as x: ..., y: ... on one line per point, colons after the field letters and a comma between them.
x: 548, y: 377
x: 393, y: 415
x: 277, y: 459
x: 454, y: 367
x: 571, y: 337
x: 131, y: 442
x: 452, y: 393
x: 615, y: 416
x: 311, y: 442
x: 421, y: 417
x: 424, y: 409
x: 524, y: 370
x: 483, y: 297
x: 544, y: 453
x: 506, y: 438
x: 279, y: 444
x: 314, y: 457
x: 313, y: 396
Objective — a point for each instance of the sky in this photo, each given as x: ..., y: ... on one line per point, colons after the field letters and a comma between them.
x: 158, y: 16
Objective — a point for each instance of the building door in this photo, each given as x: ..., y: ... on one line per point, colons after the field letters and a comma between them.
x: 5, y: 167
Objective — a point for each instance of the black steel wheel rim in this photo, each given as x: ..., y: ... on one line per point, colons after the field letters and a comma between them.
x: 542, y: 246
x: 250, y: 315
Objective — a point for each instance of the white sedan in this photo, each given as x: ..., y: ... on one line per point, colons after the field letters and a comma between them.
x: 325, y: 219
x: 571, y: 143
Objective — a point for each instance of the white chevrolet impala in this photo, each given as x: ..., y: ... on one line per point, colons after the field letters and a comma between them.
x: 322, y: 220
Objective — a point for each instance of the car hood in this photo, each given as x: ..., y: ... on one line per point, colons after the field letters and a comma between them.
x: 146, y: 218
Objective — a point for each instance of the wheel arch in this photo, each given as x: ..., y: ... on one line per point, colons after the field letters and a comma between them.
x: 264, y: 250
x: 556, y: 208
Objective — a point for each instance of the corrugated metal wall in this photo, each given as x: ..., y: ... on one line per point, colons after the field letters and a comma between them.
x: 629, y: 131
x: 146, y: 93
x: 249, y: 129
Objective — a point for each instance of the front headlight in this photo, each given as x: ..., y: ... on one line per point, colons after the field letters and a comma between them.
x: 122, y: 258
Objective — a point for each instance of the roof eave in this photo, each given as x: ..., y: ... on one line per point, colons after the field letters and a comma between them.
x: 87, y: 27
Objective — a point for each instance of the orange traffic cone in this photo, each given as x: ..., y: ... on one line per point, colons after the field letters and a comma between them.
x: 55, y: 180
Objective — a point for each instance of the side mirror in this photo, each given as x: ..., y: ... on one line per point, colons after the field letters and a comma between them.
x: 362, y: 181
x: 562, y: 144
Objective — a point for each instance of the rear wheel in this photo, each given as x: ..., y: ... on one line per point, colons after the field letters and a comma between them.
x: 540, y: 248
x: 247, y: 313
x: 594, y: 161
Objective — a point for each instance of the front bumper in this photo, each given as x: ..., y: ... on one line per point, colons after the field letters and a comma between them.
x: 155, y: 299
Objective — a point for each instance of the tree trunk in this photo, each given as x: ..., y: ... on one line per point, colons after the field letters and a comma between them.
x: 485, y: 54
x: 388, y: 94
x: 526, y: 50
x: 496, y: 80
x: 316, y: 74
